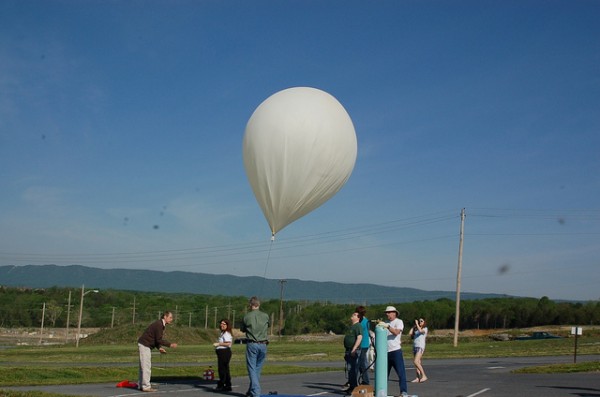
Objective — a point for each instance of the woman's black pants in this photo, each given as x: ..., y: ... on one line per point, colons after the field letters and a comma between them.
x: 223, y: 359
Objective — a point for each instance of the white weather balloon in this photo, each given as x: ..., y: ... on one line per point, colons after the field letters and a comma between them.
x: 299, y: 150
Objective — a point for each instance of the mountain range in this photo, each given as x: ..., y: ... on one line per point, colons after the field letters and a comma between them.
x: 45, y: 276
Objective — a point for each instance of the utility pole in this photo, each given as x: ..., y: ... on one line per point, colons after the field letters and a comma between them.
x: 112, y: 319
x: 68, y: 318
x: 42, y: 329
x: 80, y: 315
x: 83, y: 293
x: 206, y: 318
x: 216, y: 309
x: 133, y: 316
x: 460, y: 253
x: 281, y: 305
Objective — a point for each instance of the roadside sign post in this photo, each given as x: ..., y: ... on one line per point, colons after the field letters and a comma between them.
x: 576, y: 331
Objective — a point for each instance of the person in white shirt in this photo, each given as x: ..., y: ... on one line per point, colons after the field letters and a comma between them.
x: 395, y: 358
x: 418, y: 333
x: 223, y: 350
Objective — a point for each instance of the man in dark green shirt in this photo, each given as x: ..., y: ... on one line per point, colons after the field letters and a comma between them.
x: 352, y: 341
x: 256, y: 327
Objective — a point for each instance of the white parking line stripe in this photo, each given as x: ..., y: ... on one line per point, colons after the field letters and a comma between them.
x: 479, y: 392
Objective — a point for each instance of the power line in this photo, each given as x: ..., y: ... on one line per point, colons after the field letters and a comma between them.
x: 245, y: 249
x: 343, y: 240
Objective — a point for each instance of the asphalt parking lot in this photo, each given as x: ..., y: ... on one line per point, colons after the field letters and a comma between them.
x: 456, y: 378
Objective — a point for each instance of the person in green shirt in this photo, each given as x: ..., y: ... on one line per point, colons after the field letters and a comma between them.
x: 256, y: 327
x: 352, y: 341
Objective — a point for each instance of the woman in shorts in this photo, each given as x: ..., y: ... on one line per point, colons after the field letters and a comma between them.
x: 418, y: 333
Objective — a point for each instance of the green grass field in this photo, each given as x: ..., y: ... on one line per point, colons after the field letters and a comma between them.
x: 51, y: 365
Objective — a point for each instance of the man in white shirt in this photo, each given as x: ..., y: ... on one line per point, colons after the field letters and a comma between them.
x: 395, y: 358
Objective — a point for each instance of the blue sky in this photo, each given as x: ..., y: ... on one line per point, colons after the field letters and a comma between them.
x: 121, y: 127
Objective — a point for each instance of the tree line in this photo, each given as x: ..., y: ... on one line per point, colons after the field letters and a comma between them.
x: 21, y: 307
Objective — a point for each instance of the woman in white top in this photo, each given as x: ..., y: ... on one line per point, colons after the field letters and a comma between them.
x: 418, y: 333
x: 223, y: 350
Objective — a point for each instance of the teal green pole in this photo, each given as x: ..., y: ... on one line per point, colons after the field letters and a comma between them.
x: 381, y: 362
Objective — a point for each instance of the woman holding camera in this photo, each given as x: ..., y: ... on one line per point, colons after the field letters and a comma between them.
x: 418, y: 333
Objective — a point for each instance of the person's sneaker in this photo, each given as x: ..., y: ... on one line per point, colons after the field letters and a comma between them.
x: 150, y: 390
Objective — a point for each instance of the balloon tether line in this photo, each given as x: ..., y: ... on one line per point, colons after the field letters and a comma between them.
x: 267, y: 263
